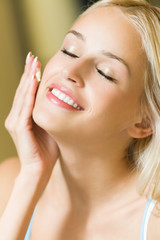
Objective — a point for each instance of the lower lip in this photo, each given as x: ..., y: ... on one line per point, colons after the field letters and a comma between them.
x: 52, y: 98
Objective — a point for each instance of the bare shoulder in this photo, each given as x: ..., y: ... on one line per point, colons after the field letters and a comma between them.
x: 154, y: 224
x: 9, y: 170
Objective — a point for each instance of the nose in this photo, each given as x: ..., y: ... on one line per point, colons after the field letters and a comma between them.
x: 75, y: 72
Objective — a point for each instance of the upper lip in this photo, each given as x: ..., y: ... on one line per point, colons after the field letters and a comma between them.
x: 66, y: 91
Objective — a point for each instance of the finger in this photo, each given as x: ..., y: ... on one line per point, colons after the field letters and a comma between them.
x: 32, y: 66
x: 25, y: 115
x: 24, y: 78
x: 24, y: 93
x: 28, y: 64
x: 23, y: 96
x: 20, y: 116
x: 25, y: 82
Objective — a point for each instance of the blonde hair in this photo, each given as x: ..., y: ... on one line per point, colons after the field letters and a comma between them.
x: 145, y: 152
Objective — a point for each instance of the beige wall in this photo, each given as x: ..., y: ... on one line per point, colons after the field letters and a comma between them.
x: 155, y: 2
x: 44, y: 25
x: 10, y: 65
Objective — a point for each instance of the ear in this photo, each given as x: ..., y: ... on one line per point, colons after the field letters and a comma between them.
x: 141, y: 130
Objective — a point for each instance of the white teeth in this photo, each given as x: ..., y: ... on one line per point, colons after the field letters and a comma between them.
x: 56, y: 92
x: 65, y: 98
x: 71, y: 102
x: 75, y: 105
x: 61, y: 96
x: 53, y: 90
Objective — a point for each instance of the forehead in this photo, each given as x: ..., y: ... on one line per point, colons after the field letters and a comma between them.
x: 108, y: 28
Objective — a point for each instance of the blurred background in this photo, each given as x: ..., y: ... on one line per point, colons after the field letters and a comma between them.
x: 38, y: 26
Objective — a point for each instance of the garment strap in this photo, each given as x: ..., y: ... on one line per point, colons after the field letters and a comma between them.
x: 143, y: 236
x: 147, y: 213
x: 28, y: 234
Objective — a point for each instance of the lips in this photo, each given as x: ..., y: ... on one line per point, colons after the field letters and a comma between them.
x: 63, y: 97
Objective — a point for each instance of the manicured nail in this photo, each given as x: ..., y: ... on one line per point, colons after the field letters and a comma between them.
x: 28, y: 56
x: 38, y: 76
x: 35, y: 60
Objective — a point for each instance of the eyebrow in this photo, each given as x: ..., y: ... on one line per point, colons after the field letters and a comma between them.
x: 113, y: 56
x: 107, y: 54
x: 77, y: 34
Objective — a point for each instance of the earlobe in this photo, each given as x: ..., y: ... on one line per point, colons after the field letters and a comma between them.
x: 140, y: 130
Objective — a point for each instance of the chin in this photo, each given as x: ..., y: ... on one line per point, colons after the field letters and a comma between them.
x: 51, y: 122
x: 44, y: 119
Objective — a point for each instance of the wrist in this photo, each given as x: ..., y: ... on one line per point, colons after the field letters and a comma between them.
x: 37, y: 172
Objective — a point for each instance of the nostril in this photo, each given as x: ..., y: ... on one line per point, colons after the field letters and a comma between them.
x: 72, y: 80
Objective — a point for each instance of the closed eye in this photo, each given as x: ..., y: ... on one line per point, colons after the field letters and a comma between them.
x: 69, y: 53
x: 106, y: 76
x: 98, y: 70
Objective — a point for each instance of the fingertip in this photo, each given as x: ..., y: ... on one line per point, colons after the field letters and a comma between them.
x: 34, y: 83
x: 38, y: 76
x: 38, y: 64
x: 29, y: 60
x: 28, y: 57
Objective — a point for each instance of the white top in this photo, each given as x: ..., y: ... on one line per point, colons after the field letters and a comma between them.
x: 147, y: 213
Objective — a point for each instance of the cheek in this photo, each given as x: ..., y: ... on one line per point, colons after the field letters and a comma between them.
x: 113, y: 106
x: 53, y: 65
x: 52, y: 68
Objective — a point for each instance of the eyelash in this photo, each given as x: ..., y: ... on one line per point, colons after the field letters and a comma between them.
x: 69, y: 53
x: 106, y: 76
x: 98, y: 70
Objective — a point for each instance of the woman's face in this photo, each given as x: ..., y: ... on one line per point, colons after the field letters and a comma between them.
x: 100, y: 68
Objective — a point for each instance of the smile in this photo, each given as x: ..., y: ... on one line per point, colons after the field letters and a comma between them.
x: 63, y: 98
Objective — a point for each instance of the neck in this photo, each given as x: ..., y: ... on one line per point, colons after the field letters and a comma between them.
x: 88, y: 179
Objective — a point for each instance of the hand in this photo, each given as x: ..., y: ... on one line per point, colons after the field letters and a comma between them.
x: 37, y: 150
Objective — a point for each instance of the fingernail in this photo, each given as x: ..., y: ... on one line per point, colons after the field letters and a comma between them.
x: 35, y: 60
x: 32, y: 76
x: 28, y: 56
x: 38, y: 76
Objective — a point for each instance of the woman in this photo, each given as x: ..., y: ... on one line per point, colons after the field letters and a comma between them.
x: 89, y: 133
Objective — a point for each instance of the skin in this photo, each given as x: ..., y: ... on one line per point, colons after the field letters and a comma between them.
x: 111, y: 108
x: 85, y: 185
x: 110, y: 119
